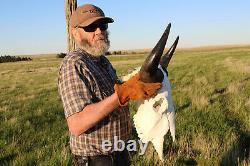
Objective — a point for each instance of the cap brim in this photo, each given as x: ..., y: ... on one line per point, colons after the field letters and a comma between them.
x: 97, y: 19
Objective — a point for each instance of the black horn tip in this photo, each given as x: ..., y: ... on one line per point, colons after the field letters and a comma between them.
x: 165, y: 59
x: 152, y: 61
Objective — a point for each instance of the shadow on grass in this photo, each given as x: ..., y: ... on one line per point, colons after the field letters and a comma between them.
x: 6, y: 159
x: 187, y: 162
x: 239, y: 152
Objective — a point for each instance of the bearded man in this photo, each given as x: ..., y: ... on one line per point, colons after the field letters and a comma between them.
x: 95, y: 104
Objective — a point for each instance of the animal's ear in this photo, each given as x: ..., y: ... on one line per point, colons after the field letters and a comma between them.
x: 165, y: 59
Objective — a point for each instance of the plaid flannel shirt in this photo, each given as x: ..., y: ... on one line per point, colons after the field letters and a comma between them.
x: 84, y: 79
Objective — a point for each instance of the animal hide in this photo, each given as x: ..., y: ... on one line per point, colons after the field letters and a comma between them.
x: 156, y: 116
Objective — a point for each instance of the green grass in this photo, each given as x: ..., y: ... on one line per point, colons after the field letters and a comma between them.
x: 211, y: 93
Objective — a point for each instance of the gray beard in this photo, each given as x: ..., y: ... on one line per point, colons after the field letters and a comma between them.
x: 99, y: 47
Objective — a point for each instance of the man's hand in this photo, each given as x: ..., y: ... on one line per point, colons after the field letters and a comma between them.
x: 134, y: 89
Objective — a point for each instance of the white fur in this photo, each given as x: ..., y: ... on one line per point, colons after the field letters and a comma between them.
x: 151, y: 123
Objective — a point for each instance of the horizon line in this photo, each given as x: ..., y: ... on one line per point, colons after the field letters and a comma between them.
x: 145, y: 49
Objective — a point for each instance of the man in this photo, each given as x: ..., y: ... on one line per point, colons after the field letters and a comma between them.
x: 95, y: 104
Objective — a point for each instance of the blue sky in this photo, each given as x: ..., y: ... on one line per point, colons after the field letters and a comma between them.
x: 38, y: 27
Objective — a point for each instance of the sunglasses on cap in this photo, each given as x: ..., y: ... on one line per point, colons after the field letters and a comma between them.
x: 93, y: 27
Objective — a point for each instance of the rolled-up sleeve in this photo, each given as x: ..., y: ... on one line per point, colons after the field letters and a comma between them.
x: 73, y: 87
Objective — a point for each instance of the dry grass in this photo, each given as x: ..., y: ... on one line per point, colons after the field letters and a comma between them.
x: 128, y: 62
x: 236, y: 65
x: 201, y: 80
x: 199, y: 101
x: 235, y: 87
x: 248, y: 103
x: 215, y: 47
x: 205, y: 146
x: 33, y: 127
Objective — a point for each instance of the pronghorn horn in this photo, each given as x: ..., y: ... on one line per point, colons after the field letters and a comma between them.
x: 165, y: 59
x: 149, y: 71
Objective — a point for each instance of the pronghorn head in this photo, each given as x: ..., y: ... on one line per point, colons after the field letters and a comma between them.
x: 149, y: 71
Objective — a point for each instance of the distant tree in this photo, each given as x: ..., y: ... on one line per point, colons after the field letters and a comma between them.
x: 117, y: 52
x: 69, y: 7
x: 8, y: 58
x: 108, y: 53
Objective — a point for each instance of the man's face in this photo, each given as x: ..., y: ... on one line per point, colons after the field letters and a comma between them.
x: 94, y: 39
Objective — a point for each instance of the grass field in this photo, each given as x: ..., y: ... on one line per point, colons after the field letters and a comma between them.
x: 211, y: 93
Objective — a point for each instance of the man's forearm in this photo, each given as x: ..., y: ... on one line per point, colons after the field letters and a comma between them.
x: 91, y: 114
